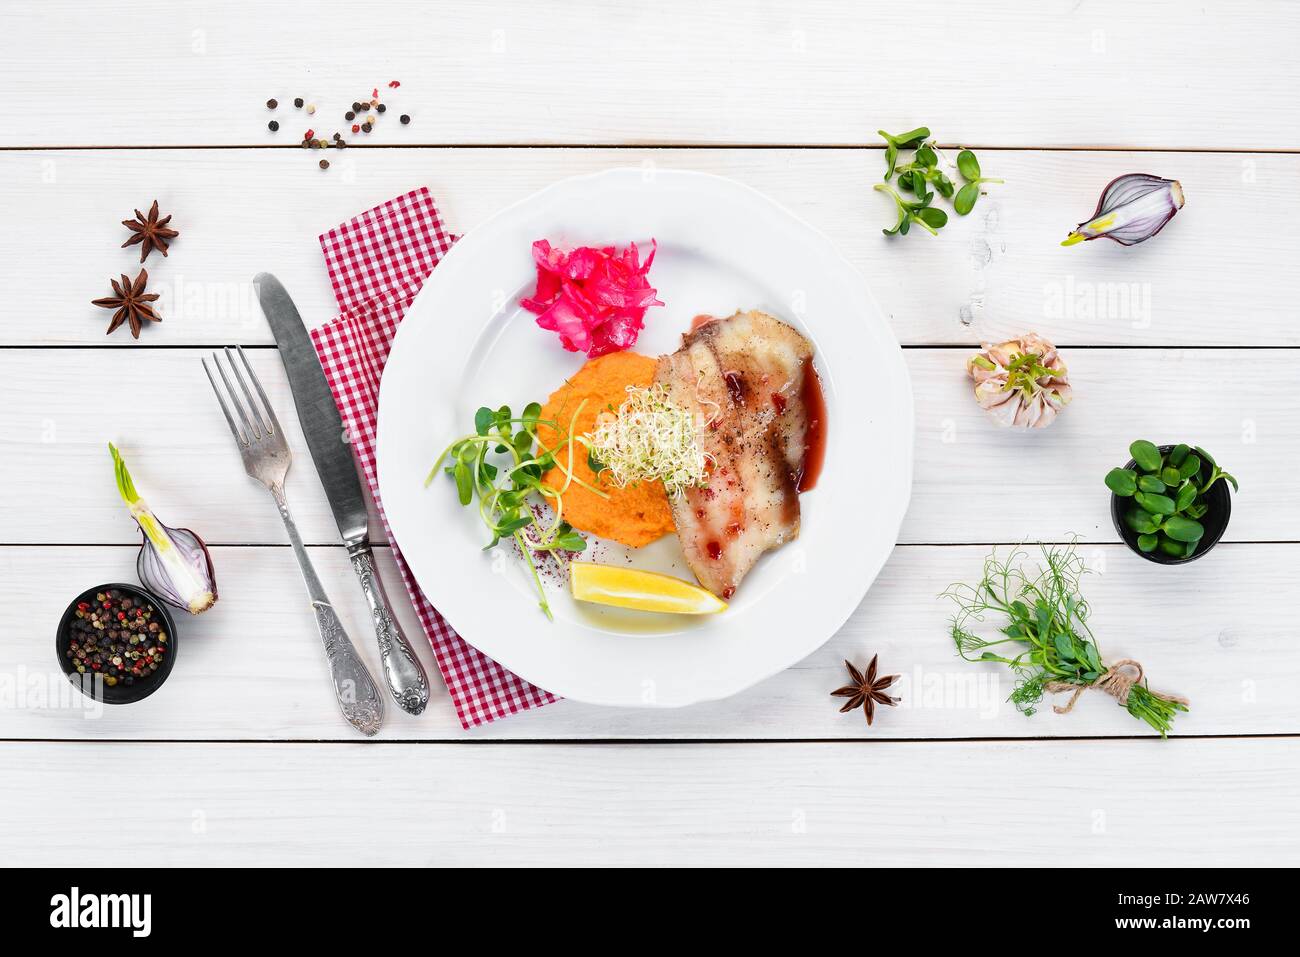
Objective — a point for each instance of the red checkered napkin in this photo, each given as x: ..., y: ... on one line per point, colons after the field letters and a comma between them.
x: 377, y: 263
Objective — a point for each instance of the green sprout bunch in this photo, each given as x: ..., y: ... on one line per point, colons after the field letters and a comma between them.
x: 924, y: 178
x: 1044, y: 636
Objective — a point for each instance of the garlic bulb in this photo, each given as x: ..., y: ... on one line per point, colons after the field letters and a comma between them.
x: 1021, y: 383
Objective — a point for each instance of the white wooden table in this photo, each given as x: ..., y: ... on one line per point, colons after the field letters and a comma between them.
x: 243, y: 755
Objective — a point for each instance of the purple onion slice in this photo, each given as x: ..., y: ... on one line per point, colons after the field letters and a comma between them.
x: 1132, y: 209
x: 173, y: 562
x: 159, y: 576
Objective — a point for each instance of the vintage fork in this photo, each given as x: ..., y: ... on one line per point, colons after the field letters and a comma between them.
x: 266, y: 458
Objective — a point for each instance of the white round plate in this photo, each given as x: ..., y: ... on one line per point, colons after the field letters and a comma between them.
x: 465, y: 343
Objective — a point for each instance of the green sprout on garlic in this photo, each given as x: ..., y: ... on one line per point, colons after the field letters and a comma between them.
x: 1021, y: 383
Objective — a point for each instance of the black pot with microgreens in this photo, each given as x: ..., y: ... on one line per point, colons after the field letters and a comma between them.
x: 1170, y: 503
x: 116, y: 643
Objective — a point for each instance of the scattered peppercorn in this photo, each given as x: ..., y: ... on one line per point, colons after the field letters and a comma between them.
x: 358, y: 123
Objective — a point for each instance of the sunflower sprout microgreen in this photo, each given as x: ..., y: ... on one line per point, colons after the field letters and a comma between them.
x: 1170, y: 496
x: 969, y: 167
x: 918, y: 211
x: 901, y: 141
x: 923, y: 175
x: 503, y: 464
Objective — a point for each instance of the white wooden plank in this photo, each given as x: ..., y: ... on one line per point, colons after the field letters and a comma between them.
x: 252, y: 667
x: 1194, y: 803
x: 1156, y: 74
x: 1221, y: 274
x: 63, y: 405
x: 974, y: 481
x: 159, y: 409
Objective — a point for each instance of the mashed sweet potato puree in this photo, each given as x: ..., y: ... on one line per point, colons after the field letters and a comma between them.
x: 635, y: 515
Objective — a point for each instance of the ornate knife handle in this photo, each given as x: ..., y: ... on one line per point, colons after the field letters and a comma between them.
x: 406, y: 677
x: 355, y: 690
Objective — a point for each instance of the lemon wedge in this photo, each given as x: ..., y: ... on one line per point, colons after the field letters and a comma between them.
x: 644, y: 591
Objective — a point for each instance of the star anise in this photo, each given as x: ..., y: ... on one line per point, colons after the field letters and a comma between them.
x: 150, y: 231
x: 867, y: 690
x: 131, y: 303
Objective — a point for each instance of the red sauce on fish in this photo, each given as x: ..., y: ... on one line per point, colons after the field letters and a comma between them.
x: 779, y: 403
x: 728, y: 592
x: 715, y: 550
x: 735, y: 386
x: 814, y: 443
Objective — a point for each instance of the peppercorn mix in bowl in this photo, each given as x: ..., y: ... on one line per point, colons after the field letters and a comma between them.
x: 116, y: 643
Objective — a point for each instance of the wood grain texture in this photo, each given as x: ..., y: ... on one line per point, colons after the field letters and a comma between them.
x: 252, y: 669
x: 990, y: 275
x: 1173, y: 804
x: 1156, y: 74
x: 973, y: 482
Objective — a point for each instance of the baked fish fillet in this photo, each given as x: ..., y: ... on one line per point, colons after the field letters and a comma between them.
x: 744, y: 377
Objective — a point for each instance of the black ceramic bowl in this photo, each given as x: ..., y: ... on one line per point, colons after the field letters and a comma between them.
x: 1215, y: 521
x: 119, y: 693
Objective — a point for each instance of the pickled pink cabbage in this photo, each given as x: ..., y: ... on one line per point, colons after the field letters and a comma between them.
x: 596, y: 299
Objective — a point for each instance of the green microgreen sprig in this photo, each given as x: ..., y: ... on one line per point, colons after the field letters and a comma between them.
x: 503, y: 467
x: 924, y: 169
x: 919, y: 211
x: 969, y: 167
x: 903, y: 141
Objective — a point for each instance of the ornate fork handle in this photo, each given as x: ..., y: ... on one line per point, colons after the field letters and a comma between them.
x: 358, y: 697
x: 402, y: 669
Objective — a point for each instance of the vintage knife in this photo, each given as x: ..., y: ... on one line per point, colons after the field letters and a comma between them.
x: 323, y: 429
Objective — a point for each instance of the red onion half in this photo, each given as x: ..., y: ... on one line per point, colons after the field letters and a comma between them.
x: 1132, y: 209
